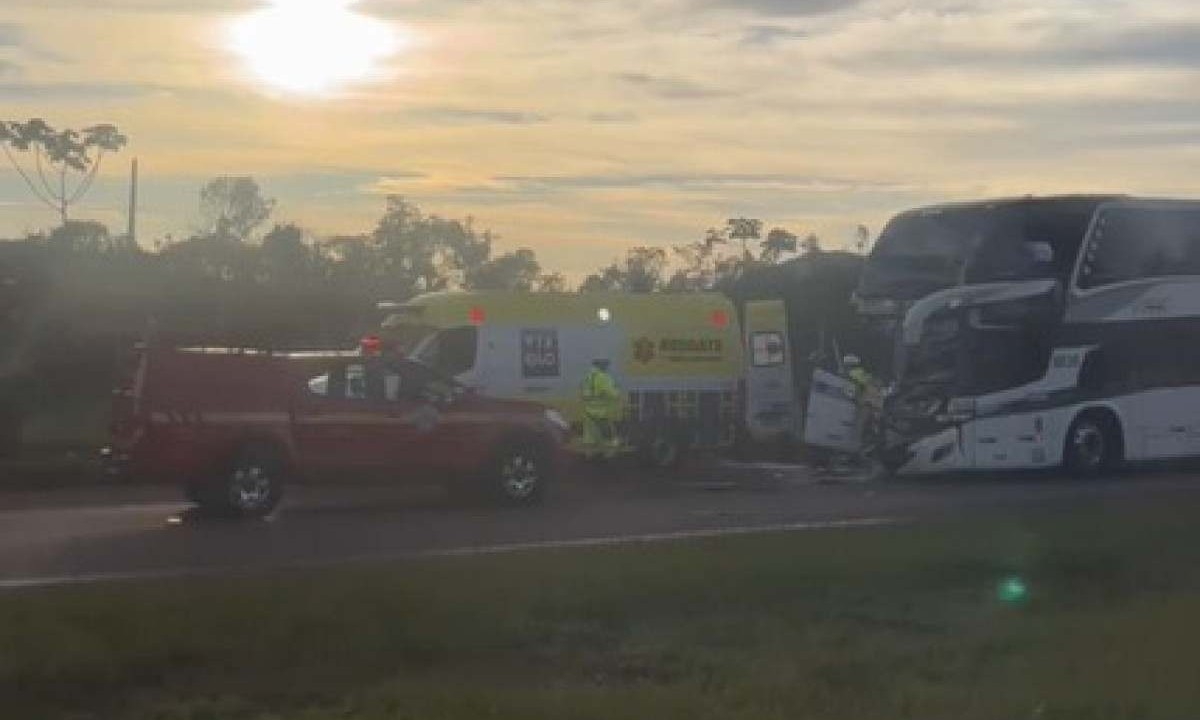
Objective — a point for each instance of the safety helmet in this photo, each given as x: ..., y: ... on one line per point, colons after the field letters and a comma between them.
x: 601, y: 363
x: 851, y: 361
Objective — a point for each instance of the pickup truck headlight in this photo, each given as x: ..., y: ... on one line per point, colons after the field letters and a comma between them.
x: 556, y: 419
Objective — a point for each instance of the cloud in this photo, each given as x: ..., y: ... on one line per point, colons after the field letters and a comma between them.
x: 669, y: 87
x: 396, y: 183
x: 769, y: 34
x: 11, y: 35
x: 1166, y: 46
x: 152, y: 6
x: 612, y: 118
x: 1050, y: 46
x: 75, y: 91
x: 468, y: 116
x: 783, y: 7
x: 697, y: 181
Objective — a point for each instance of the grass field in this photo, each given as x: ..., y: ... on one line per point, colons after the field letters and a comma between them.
x: 1091, y: 614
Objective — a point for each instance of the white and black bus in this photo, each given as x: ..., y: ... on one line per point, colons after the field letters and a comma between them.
x: 1081, y: 351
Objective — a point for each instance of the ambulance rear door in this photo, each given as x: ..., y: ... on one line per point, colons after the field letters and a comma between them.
x: 771, y: 406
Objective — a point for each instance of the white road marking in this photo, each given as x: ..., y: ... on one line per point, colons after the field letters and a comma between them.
x: 28, y: 583
x: 782, y: 467
x: 648, y: 538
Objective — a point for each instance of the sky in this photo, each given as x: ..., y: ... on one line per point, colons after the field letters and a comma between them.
x: 581, y: 129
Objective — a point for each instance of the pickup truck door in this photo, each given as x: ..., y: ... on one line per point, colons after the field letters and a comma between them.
x: 346, y: 423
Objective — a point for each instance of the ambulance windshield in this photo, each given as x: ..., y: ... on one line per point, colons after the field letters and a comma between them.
x: 450, y: 352
x: 404, y: 336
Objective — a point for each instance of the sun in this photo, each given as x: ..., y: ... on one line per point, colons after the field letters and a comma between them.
x: 312, y: 47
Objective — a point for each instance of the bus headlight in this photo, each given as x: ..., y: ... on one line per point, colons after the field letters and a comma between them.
x: 961, y: 408
x: 556, y: 419
x: 921, y: 407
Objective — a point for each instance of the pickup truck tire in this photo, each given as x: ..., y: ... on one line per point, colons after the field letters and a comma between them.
x: 519, y: 473
x: 251, y: 486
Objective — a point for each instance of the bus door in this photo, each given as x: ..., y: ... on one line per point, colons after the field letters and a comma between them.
x: 771, y: 407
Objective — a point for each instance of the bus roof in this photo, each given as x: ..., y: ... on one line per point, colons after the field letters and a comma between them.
x: 1014, y: 202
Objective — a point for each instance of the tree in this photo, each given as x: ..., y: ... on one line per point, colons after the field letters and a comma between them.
x: 779, y: 242
x: 744, y: 230
x: 596, y: 283
x: 233, y: 207
x: 419, y: 253
x: 701, y: 260
x: 209, y: 258
x: 89, y: 237
x: 641, y: 271
x: 58, y: 155
x: 551, y: 283
x: 518, y: 270
x: 285, y: 256
x: 862, y: 238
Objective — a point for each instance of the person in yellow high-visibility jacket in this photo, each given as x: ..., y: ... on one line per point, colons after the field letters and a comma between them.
x: 866, y: 396
x: 601, y: 407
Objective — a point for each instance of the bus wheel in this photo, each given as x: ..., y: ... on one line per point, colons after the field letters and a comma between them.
x: 1092, y: 445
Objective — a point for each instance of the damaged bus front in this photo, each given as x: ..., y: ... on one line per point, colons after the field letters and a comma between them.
x: 963, y: 354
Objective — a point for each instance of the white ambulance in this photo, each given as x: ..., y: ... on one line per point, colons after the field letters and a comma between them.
x: 691, y: 377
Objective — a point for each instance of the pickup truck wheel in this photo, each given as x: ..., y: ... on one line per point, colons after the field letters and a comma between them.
x: 254, y: 482
x: 521, y: 474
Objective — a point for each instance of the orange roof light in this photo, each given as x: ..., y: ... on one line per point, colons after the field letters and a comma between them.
x: 720, y: 319
x: 476, y: 315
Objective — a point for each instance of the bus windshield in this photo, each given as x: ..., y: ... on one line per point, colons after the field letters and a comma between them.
x: 929, y: 250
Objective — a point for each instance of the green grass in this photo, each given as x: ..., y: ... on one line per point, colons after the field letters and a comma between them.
x: 902, y: 622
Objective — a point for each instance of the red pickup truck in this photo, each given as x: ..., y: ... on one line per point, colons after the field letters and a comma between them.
x: 235, y: 426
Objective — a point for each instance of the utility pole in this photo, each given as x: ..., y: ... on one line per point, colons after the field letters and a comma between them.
x: 133, y: 201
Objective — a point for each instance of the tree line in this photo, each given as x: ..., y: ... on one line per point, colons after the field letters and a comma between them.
x: 74, y: 298
x: 240, y: 275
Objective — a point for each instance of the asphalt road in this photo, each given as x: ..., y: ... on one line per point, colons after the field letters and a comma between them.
x: 110, y: 533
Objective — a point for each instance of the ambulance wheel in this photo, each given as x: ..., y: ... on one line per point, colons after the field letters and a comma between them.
x: 1093, y: 444
x: 519, y: 474
x: 664, y: 451
x: 252, y: 485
